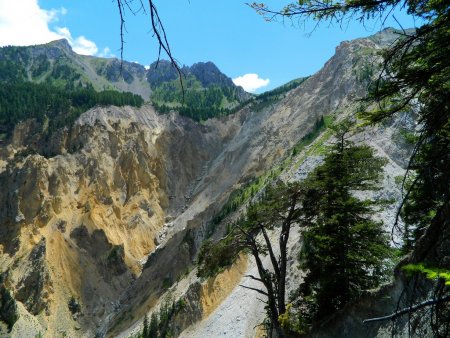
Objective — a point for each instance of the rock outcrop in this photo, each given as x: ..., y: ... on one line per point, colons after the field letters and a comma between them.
x: 110, y: 213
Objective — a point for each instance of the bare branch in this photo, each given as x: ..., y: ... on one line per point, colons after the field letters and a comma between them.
x: 254, y: 289
x: 158, y: 31
x: 254, y: 278
x: 408, y: 310
x: 269, y: 248
x: 122, y: 25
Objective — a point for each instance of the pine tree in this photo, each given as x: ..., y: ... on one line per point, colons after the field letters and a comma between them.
x: 145, y: 331
x: 153, y: 329
x: 344, y: 249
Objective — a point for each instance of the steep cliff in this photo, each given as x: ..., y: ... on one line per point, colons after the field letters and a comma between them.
x: 94, y: 235
x: 266, y: 137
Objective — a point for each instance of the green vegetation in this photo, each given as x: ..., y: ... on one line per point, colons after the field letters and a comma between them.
x: 365, y: 73
x: 113, y: 70
x: 306, y: 140
x: 56, y: 98
x: 245, y: 193
x: 19, y: 64
x: 271, y: 97
x: 200, y: 103
x: 239, y: 197
x: 421, y: 62
x: 40, y: 66
x: 415, y: 78
x: 363, y: 70
x: 279, y: 208
x: 63, y: 75
x: 73, y: 305
x: 279, y: 92
x: 430, y: 273
x: 214, y: 257
x: 345, y: 252
x: 161, y: 325
x: 8, y: 307
x: 196, y: 102
x: 167, y: 283
x: 57, y: 107
x: 266, y: 99
x: 9, y: 72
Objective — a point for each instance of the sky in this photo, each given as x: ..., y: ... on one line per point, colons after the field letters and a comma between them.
x: 256, y: 54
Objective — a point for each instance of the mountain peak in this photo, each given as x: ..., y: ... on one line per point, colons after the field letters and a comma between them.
x: 61, y: 43
x: 206, y: 72
x: 161, y: 71
x: 209, y: 74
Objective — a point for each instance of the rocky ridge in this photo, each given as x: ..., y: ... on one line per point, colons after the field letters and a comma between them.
x: 117, y: 215
x: 57, y: 62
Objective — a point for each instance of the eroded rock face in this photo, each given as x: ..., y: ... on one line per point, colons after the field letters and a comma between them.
x: 81, y: 222
x: 34, y: 287
x: 109, y: 258
x: 72, y: 216
x: 81, y: 216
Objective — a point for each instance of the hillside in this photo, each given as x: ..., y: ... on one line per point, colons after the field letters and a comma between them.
x: 58, y: 64
x: 101, y: 221
x: 206, y: 91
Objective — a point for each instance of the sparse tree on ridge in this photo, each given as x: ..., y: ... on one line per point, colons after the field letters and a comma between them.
x: 278, y: 211
x: 344, y: 250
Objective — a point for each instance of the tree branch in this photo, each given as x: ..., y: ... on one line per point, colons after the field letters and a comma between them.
x: 269, y: 248
x: 122, y: 25
x: 254, y: 278
x: 254, y: 289
x: 408, y: 310
x: 158, y: 31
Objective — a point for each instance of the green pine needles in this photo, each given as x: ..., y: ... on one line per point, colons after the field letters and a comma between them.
x: 430, y: 272
x: 345, y: 251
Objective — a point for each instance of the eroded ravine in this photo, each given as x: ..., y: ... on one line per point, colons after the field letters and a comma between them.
x: 118, y: 211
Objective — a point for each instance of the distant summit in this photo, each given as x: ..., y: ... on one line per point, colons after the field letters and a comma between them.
x: 204, y: 92
x: 208, y: 91
x: 62, y: 43
x: 160, y: 72
x: 207, y: 73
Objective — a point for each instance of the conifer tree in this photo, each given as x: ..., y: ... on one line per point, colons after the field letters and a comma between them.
x: 344, y: 249
x: 153, y: 329
x: 415, y: 78
x: 145, y: 332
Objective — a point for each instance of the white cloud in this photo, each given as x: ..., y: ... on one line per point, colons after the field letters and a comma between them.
x: 54, y: 13
x: 106, y: 53
x: 24, y: 23
x: 251, y: 82
x: 80, y: 45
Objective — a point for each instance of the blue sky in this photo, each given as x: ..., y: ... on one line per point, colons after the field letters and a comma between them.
x: 226, y: 32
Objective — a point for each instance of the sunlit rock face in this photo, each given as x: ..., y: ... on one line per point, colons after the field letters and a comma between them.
x: 97, y: 222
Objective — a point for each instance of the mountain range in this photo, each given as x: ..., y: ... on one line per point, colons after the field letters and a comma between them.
x: 102, y: 219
